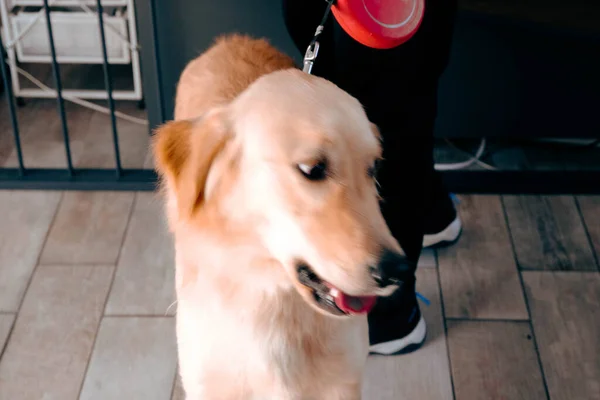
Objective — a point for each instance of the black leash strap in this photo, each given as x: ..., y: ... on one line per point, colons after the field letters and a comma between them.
x: 313, y: 48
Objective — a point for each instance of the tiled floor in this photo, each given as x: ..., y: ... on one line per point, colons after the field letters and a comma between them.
x: 86, y: 294
x: 90, y: 131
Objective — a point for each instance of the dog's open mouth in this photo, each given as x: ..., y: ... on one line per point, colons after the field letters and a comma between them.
x: 331, y: 299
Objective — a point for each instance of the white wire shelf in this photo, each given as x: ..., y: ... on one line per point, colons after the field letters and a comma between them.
x: 76, y: 37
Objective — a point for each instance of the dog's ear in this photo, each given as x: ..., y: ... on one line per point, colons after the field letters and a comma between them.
x: 184, y: 152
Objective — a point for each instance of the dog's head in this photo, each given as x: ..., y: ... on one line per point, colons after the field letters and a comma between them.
x: 292, y: 162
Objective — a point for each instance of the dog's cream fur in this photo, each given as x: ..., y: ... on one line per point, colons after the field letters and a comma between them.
x: 242, y: 214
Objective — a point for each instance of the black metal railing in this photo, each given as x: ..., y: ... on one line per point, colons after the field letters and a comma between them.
x: 23, y: 177
x: 10, y: 100
x: 108, y: 85
x: 59, y: 97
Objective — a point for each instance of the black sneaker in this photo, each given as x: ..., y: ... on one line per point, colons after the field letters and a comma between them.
x: 442, y: 224
x: 396, y: 325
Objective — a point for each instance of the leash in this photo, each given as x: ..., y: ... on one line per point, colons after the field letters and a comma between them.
x: 313, y: 48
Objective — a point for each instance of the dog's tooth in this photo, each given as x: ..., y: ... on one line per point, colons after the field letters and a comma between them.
x: 334, y: 292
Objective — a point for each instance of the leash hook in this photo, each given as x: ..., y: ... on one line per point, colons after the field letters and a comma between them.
x: 310, y: 56
x: 313, y: 48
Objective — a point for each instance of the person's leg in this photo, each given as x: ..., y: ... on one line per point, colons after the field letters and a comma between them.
x: 398, y: 89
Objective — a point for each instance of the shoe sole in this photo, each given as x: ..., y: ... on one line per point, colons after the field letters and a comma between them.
x: 448, y: 236
x: 407, y: 344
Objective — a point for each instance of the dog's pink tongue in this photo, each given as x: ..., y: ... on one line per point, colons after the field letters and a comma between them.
x: 353, y: 304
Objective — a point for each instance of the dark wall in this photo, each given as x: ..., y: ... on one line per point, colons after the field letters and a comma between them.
x: 504, y: 78
x: 185, y: 28
x: 519, y: 79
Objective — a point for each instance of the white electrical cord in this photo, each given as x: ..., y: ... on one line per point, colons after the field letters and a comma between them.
x: 467, y: 163
x: 474, y: 159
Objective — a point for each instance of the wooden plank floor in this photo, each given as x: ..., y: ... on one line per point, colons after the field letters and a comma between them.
x: 548, y: 233
x: 85, y: 315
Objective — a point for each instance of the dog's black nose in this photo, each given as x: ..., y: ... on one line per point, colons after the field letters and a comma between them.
x: 392, y: 269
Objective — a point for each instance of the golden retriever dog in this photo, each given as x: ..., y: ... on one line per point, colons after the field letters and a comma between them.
x: 281, y: 248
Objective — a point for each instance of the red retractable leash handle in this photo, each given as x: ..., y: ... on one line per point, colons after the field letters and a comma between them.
x: 380, y: 24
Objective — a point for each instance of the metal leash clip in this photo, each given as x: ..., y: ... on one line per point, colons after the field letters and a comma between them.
x: 310, y: 56
x: 313, y: 48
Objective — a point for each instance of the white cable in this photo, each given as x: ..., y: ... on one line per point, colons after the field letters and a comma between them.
x: 482, y: 164
x: 81, y: 102
x: 467, y: 163
x: 476, y: 159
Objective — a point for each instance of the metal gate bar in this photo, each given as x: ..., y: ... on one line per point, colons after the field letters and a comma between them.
x: 108, y: 85
x: 59, y: 97
x: 10, y: 100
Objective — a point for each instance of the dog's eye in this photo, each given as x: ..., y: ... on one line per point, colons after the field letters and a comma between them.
x: 372, y: 170
x: 314, y: 172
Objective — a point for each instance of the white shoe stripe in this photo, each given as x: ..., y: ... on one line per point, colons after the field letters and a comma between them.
x: 394, y: 346
x: 449, y: 234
